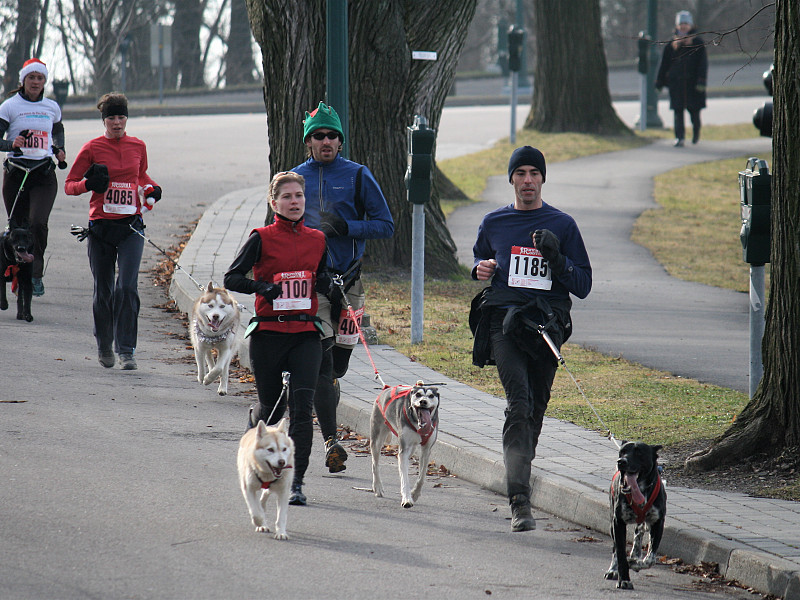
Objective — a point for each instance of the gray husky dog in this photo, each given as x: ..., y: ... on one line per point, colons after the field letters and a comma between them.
x: 214, y: 327
x: 412, y: 414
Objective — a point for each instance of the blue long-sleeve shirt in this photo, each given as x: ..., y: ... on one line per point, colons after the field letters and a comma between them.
x: 504, y: 235
x: 332, y: 188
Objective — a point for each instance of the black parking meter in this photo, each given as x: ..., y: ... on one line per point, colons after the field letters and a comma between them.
x: 420, y: 160
x: 516, y: 37
x: 762, y: 117
x: 644, y: 44
x: 755, y: 194
x: 61, y: 90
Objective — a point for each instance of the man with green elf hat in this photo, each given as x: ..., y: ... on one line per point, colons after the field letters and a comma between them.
x: 344, y: 201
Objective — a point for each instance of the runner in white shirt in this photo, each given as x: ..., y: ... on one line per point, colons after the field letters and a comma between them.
x: 31, y: 133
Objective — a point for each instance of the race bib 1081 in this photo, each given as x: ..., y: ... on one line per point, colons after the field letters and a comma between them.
x: 528, y: 269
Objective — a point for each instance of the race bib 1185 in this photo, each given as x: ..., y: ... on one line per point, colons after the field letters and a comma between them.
x: 528, y: 269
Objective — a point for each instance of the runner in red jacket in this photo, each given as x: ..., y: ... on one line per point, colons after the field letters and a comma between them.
x: 289, y: 264
x: 114, y: 168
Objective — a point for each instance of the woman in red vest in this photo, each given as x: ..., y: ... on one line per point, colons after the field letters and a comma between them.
x: 288, y: 261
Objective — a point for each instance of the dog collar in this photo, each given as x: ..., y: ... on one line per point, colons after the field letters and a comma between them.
x: 641, y: 511
x: 210, y: 339
x: 265, y: 484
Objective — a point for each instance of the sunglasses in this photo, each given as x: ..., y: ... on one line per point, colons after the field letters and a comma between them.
x: 331, y: 135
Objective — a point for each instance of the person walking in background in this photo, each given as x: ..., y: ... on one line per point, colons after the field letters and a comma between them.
x: 289, y: 265
x: 346, y: 203
x: 114, y: 168
x: 684, y: 70
x: 35, y: 134
x: 535, y: 257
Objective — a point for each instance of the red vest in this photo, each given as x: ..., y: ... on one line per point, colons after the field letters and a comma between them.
x: 288, y: 248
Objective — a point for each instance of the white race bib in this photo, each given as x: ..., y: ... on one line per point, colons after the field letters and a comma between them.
x: 120, y: 198
x: 37, y: 144
x: 296, y: 290
x: 347, y: 332
x: 528, y: 269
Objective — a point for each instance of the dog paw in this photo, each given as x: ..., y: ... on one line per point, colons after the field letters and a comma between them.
x: 611, y: 576
x: 22, y: 317
x: 208, y: 379
x: 407, y: 503
x: 378, y: 491
x: 262, y: 529
x: 624, y: 585
x: 222, y: 392
x: 3, y: 305
x: 280, y: 535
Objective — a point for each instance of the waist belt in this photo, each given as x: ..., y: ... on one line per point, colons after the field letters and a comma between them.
x: 254, y: 321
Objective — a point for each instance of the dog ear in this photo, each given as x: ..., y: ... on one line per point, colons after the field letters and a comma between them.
x: 282, y: 425
x: 261, y: 429
x: 210, y: 286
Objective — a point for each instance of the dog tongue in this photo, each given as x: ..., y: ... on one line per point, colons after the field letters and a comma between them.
x: 25, y: 257
x: 636, y: 493
x: 425, y: 424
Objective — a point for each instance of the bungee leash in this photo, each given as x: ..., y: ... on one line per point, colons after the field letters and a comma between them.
x: 560, y: 359
x: 339, y: 282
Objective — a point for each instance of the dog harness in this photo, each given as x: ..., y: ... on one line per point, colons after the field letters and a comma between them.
x: 12, y: 275
x: 641, y: 511
x: 402, y: 391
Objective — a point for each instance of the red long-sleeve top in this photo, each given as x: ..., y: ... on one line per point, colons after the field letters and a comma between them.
x: 126, y: 159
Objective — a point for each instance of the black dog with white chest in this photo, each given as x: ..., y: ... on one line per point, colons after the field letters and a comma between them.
x: 16, y: 262
x: 638, y: 497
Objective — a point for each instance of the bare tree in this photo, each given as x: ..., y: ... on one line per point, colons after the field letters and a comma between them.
x: 186, y: 34
x: 387, y: 87
x: 239, y: 62
x: 102, y: 25
x: 570, y: 74
x: 28, y: 26
x: 771, y: 420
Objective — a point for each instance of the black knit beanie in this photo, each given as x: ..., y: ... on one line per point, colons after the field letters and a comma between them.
x: 527, y: 155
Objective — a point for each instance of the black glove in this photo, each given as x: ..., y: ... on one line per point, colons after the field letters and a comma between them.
x: 154, y: 193
x: 547, y: 243
x: 97, y: 178
x: 324, y: 283
x: 332, y: 225
x: 269, y: 291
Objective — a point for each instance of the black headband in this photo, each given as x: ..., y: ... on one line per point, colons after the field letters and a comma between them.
x: 115, y: 110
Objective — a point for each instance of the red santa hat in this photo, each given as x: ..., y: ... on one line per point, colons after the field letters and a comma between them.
x: 32, y: 65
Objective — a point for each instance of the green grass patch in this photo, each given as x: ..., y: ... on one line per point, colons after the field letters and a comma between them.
x: 633, y: 401
x: 694, y: 233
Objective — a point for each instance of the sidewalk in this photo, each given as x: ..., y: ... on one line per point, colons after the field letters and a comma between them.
x: 754, y: 541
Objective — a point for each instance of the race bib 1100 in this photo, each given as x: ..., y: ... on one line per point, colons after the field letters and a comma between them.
x: 296, y: 290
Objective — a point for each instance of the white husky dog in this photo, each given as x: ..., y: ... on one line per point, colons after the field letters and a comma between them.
x: 265, y: 453
x: 214, y: 326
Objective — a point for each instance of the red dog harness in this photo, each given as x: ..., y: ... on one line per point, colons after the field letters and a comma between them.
x: 640, y: 510
x: 12, y: 274
x: 402, y: 391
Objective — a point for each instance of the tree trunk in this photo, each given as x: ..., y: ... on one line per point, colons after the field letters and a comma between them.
x: 20, y: 49
x: 771, y: 421
x: 239, y: 62
x: 387, y: 88
x: 186, y: 36
x: 570, y: 74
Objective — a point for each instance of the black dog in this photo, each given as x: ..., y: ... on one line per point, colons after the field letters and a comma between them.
x: 16, y: 258
x: 637, y: 496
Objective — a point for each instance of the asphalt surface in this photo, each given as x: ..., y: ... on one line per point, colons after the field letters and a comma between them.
x: 755, y: 541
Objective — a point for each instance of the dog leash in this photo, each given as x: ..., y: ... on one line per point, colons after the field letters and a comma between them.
x: 560, y: 359
x: 339, y: 282
x: 286, y: 376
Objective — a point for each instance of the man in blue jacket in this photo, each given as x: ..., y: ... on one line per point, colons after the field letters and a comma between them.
x: 345, y: 202
x: 535, y: 257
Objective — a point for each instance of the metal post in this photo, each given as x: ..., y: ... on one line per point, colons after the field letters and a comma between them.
x: 514, y: 83
x: 756, y: 325
x: 337, y: 65
x: 160, y: 64
x: 653, y: 120
x: 643, y: 103
x: 417, y: 272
